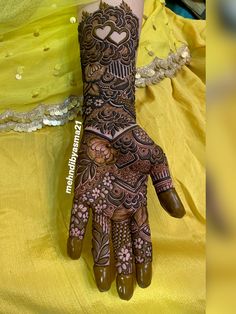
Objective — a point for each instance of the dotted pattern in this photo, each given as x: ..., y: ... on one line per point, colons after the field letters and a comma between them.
x: 121, y: 237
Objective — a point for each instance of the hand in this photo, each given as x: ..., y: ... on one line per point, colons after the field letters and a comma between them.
x: 112, y: 180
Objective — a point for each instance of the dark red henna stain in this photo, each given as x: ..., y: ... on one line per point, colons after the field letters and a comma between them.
x: 116, y: 155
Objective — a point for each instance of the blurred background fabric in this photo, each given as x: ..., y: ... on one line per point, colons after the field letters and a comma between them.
x: 37, y: 276
x: 40, y: 60
x: 180, y: 9
x: 221, y: 168
x: 188, y: 8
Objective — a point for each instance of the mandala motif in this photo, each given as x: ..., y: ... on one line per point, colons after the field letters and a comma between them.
x: 100, y: 151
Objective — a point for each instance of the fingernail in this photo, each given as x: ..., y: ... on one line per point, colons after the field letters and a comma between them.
x: 102, y: 277
x: 171, y: 202
x: 125, y: 286
x: 74, y: 247
x: 144, y: 274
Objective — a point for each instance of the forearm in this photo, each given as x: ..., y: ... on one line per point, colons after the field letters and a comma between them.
x: 109, y: 38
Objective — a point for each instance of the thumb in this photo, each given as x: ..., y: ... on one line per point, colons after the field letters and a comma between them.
x: 163, y: 183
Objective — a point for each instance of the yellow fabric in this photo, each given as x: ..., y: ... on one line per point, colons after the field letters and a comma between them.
x: 36, y: 274
x: 38, y: 42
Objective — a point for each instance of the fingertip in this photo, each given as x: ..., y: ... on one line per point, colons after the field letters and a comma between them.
x: 74, y: 248
x: 102, y: 277
x: 179, y: 213
x: 125, y: 286
x: 172, y: 204
x: 144, y: 274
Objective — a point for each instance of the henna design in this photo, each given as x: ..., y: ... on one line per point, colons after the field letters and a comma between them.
x: 79, y: 219
x: 100, y: 241
x: 116, y: 155
x: 86, y: 169
x: 108, y: 121
x: 108, y: 42
x: 141, y: 236
x: 111, y: 182
x: 115, y: 187
x: 142, y: 137
x: 101, y: 152
x: 121, y: 238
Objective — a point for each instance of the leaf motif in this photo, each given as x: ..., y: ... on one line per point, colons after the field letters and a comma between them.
x: 85, y: 14
x: 113, y: 132
x: 84, y: 162
x: 92, y: 171
x: 85, y: 176
x: 94, y: 90
x: 103, y: 6
x: 125, y: 6
x: 100, y: 245
x: 104, y: 252
x: 104, y: 261
x: 96, y: 243
x: 105, y: 239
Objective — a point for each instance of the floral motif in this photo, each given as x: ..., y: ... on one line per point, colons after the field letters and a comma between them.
x: 109, y: 121
x: 76, y: 232
x: 122, y: 267
x: 107, y: 181
x: 149, y: 251
x: 126, y: 144
x: 100, y: 206
x: 124, y: 259
x: 78, y: 208
x: 124, y: 254
x: 85, y: 197
x: 96, y: 193
x: 138, y: 243
x: 88, y: 110
x: 139, y: 259
x: 83, y: 216
x: 101, y: 151
x: 104, y: 192
x: 98, y: 102
x: 94, y: 72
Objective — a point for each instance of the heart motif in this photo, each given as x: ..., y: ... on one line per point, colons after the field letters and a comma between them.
x: 119, y: 37
x: 102, y: 32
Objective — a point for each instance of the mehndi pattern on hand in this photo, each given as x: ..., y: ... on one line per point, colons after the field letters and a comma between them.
x: 116, y: 155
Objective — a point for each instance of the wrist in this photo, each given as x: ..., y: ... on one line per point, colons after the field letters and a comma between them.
x: 108, y: 121
x: 97, y: 103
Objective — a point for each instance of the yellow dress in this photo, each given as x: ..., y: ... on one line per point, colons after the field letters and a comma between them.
x: 40, y: 63
x: 40, y: 80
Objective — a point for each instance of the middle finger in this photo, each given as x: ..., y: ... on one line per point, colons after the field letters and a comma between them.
x: 122, y: 245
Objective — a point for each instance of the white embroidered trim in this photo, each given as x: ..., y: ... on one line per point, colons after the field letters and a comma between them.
x: 41, y: 116
x: 161, y: 68
x: 59, y: 114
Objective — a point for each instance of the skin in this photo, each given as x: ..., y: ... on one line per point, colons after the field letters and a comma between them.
x: 116, y: 155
